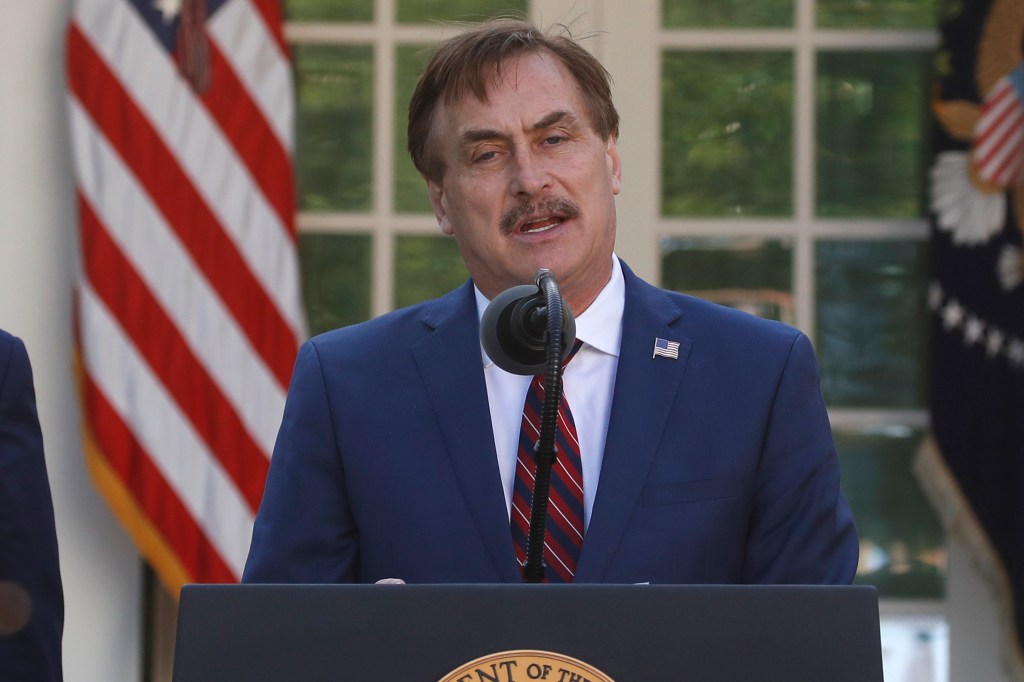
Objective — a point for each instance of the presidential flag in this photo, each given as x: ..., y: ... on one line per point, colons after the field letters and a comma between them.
x: 974, y: 465
x: 187, y: 302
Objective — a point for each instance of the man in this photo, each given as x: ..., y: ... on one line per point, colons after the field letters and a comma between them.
x: 400, y: 436
x: 31, y: 598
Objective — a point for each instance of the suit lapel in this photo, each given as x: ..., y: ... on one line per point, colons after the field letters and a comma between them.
x: 645, y: 388
x: 450, y: 357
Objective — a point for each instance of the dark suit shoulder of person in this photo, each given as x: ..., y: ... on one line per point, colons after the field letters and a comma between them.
x: 31, y: 596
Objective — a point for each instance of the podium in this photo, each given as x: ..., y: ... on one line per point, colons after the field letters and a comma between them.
x: 630, y: 633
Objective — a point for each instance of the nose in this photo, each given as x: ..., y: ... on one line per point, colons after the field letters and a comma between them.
x: 530, y: 176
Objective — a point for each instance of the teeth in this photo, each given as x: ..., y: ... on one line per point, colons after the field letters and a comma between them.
x: 540, y: 225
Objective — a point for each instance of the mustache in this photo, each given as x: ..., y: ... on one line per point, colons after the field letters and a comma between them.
x: 557, y: 205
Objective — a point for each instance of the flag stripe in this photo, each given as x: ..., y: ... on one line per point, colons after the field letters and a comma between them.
x: 994, y: 111
x: 121, y: 375
x: 258, y: 147
x: 998, y: 137
x: 157, y: 500
x: 996, y: 155
x: 156, y: 254
x: 241, y: 32
x: 273, y: 21
x: 1010, y: 158
x: 156, y: 167
x: 1003, y: 164
x: 158, y: 341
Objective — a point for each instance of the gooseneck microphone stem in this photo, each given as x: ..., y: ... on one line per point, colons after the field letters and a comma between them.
x: 527, y: 330
x: 533, y: 571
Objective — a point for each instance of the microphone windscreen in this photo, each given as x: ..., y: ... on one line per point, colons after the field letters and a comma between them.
x: 513, y: 330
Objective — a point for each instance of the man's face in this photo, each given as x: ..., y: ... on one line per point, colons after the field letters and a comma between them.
x: 528, y: 183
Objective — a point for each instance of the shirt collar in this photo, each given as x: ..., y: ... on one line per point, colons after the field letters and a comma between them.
x: 600, y: 325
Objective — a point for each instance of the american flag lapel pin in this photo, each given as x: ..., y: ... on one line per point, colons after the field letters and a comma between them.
x: 666, y: 349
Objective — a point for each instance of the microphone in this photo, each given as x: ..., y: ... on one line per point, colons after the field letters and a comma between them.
x: 529, y: 330
x: 514, y: 327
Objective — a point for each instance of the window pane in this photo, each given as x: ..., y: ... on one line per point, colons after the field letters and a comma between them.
x: 427, y: 11
x: 755, y: 275
x: 410, y: 190
x: 727, y: 133
x: 329, y: 10
x: 335, y: 279
x: 334, y: 127
x: 425, y: 268
x: 871, y: 322
x: 727, y: 13
x: 871, y: 137
x: 902, y: 544
x: 877, y: 13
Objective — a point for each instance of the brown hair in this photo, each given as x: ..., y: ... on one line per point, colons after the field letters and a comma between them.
x: 462, y: 65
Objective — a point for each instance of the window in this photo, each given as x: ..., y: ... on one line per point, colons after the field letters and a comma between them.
x: 368, y: 236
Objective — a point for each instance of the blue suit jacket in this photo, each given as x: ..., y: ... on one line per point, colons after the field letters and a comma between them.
x: 719, y: 467
x: 28, y: 540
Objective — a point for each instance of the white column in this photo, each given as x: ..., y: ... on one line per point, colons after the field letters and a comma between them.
x: 631, y: 53
x: 975, y: 635
x: 100, y: 569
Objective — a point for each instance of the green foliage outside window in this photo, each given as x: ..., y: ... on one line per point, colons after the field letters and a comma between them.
x: 872, y: 139
x: 688, y: 14
x: 727, y: 133
x: 749, y: 273
x: 329, y: 10
x: 410, y: 189
x: 871, y: 322
x: 335, y: 279
x: 902, y: 542
x: 425, y: 268
x: 906, y: 14
x: 334, y: 127
x: 430, y: 11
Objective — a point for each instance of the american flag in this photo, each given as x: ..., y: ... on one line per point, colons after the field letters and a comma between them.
x: 999, y: 137
x: 666, y: 349
x: 187, y: 302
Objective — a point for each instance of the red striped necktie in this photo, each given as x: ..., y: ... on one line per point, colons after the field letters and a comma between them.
x: 563, y: 535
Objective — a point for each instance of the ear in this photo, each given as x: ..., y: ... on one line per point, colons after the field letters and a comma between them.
x: 440, y: 206
x: 614, y: 165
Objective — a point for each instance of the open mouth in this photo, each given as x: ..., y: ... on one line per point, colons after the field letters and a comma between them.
x: 540, y: 225
x: 539, y: 217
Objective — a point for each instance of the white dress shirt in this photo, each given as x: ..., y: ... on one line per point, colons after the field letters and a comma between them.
x: 587, y: 383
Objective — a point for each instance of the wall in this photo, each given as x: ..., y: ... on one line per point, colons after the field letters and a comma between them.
x: 100, y: 569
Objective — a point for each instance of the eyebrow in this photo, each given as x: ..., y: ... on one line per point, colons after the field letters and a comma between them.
x: 553, y: 118
x: 480, y: 134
